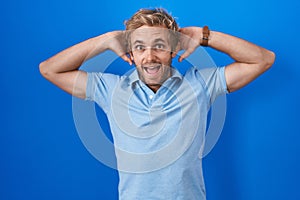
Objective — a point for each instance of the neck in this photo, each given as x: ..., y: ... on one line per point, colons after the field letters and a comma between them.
x: 154, y: 87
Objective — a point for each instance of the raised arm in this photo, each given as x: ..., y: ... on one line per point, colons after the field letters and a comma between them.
x: 250, y: 60
x: 63, y: 68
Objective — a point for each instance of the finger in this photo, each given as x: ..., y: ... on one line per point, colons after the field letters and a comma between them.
x: 187, y: 53
x: 184, y: 55
x: 173, y: 54
x: 180, y: 30
x: 177, y: 49
x: 126, y: 59
x: 183, y: 31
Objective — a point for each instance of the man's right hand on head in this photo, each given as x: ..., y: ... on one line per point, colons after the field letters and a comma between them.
x: 116, y: 42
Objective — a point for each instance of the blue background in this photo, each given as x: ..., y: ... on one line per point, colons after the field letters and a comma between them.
x: 41, y: 155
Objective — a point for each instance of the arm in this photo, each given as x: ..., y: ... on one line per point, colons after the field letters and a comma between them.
x: 250, y: 60
x: 63, y: 68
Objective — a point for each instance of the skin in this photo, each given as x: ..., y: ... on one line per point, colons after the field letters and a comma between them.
x: 250, y: 60
x: 151, y: 53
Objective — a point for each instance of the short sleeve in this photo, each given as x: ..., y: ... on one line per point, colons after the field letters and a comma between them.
x: 215, y: 82
x: 99, y: 88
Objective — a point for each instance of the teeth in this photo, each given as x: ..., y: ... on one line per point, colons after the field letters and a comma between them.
x: 151, y: 67
x: 152, y: 70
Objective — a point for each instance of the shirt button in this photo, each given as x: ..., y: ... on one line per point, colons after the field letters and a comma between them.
x: 151, y: 96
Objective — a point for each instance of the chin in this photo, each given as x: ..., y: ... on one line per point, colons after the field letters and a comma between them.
x: 154, y: 82
x: 151, y: 83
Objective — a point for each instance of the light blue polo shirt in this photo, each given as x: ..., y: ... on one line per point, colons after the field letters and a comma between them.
x: 158, y: 137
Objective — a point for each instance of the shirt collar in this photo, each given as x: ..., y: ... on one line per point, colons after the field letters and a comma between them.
x: 134, y: 77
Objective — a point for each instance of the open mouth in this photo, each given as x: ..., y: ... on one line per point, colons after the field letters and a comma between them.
x: 152, y: 69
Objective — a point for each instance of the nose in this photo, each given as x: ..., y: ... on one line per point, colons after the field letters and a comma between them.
x: 149, y: 55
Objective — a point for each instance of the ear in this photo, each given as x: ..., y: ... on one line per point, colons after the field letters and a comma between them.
x: 172, y: 54
x: 131, y: 55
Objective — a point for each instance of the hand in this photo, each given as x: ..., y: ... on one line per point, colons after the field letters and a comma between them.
x: 116, y: 42
x: 190, y: 39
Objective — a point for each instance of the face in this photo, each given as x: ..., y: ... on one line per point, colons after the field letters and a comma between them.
x: 151, y: 53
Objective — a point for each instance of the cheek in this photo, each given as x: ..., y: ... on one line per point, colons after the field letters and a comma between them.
x: 136, y: 58
x: 166, y: 59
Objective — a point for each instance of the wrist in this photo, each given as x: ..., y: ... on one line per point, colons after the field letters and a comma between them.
x: 205, y: 36
x: 104, y: 41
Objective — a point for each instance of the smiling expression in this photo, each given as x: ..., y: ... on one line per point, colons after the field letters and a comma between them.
x: 151, y: 53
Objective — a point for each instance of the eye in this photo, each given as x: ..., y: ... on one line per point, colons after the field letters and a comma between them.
x: 159, y: 46
x: 139, y: 47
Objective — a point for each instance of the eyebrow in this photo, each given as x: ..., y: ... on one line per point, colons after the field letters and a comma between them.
x: 159, y: 40
x: 155, y: 41
x: 138, y: 42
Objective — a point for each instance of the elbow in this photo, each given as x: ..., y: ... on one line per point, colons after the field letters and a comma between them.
x: 269, y: 60
x: 44, y: 69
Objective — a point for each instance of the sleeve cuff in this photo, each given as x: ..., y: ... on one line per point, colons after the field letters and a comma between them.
x: 223, y: 80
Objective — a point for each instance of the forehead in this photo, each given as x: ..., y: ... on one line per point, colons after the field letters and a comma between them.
x: 149, y: 34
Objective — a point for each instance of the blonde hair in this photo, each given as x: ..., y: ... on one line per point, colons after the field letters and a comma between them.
x: 153, y: 17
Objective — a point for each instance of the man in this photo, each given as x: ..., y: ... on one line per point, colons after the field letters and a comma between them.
x: 157, y: 116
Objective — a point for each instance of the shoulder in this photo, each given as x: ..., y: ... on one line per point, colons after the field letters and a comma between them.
x: 204, y: 73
